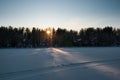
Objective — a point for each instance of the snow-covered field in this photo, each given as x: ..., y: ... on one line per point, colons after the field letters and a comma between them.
x: 100, y: 63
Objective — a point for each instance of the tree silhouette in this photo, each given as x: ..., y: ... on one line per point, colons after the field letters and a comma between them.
x: 24, y: 37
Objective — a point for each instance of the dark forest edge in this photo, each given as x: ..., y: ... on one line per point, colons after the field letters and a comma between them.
x: 25, y: 38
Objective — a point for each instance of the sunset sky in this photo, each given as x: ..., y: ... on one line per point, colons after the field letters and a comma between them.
x: 69, y: 14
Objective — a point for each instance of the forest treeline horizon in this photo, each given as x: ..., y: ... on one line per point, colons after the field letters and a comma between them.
x: 22, y: 37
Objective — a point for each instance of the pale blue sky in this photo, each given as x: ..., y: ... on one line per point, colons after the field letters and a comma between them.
x: 70, y: 14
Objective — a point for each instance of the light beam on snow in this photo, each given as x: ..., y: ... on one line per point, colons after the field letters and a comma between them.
x: 60, y: 51
x: 97, y: 66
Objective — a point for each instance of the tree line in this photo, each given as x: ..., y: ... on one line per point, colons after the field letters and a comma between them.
x: 27, y: 38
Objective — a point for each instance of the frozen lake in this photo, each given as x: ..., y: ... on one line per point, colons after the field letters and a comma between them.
x: 96, y: 63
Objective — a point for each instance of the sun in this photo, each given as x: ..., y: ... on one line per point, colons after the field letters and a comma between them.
x: 48, y: 32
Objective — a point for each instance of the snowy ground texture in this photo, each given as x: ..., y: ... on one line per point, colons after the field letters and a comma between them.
x: 101, y: 63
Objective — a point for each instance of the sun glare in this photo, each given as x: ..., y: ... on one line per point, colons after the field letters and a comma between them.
x: 48, y: 32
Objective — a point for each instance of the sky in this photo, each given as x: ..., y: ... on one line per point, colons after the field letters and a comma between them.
x: 69, y: 14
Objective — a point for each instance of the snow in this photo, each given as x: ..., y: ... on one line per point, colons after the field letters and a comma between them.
x: 96, y: 63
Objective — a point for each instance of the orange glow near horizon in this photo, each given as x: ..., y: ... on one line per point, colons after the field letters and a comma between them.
x: 48, y: 32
